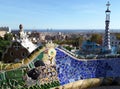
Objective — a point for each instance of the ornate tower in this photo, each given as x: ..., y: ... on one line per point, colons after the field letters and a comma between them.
x: 21, y: 27
x: 107, y: 31
x: 21, y: 32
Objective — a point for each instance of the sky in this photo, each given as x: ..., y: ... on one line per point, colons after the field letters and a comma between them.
x: 58, y: 14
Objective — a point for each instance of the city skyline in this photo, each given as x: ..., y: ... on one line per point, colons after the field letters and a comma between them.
x: 62, y: 14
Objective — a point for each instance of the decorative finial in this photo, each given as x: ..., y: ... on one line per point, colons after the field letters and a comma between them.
x: 21, y: 27
x: 108, y: 4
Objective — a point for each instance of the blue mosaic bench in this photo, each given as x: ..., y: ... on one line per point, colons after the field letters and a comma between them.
x: 69, y: 69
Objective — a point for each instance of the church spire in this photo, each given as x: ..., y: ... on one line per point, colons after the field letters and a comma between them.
x: 107, y: 31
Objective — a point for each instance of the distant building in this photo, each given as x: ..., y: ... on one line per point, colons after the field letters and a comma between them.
x: 114, y: 41
x: 3, y: 31
x: 34, y: 37
x: 42, y: 37
x: 59, y: 36
x: 15, y: 53
x: 22, y: 38
x: 20, y: 47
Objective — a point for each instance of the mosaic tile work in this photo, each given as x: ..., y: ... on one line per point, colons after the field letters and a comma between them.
x: 47, y: 74
x: 70, y: 69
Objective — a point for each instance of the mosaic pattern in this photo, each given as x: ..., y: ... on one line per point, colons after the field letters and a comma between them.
x: 70, y: 69
x: 48, y: 74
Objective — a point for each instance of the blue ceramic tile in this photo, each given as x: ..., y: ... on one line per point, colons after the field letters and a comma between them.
x: 70, y: 70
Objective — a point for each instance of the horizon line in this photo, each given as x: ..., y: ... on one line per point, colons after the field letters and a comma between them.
x: 70, y: 29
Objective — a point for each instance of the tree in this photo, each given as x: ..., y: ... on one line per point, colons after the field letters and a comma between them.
x: 1, y: 38
x: 96, y: 38
x: 77, y: 42
x: 74, y: 41
x: 3, y: 46
x: 4, y: 42
x: 80, y: 40
x: 117, y: 36
x: 8, y: 36
x: 68, y: 48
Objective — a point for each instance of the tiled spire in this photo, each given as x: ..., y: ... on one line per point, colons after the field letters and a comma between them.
x: 107, y: 31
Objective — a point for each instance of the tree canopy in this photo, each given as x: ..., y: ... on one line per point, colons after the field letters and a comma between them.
x: 117, y: 36
x: 75, y: 41
x: 8, y: 36
x: 96, y: 38
x: 4, y: 43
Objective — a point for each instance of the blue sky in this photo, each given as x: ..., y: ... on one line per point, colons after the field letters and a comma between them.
x: 58, y: 14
